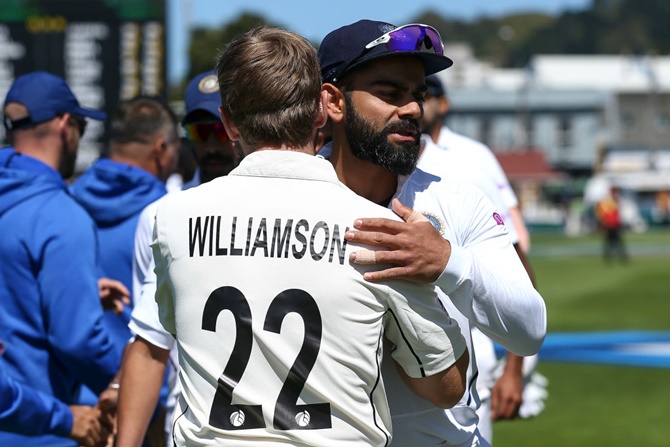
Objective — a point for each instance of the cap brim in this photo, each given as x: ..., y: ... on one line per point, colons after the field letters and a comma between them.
x: 91, y: 113
x: 206, y: 106
x: 432, y: 63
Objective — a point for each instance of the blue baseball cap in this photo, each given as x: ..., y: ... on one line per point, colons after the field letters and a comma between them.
x: 435, y: 86
x: 350, y: 46
x: 45, y: 96
x: 202, y: 93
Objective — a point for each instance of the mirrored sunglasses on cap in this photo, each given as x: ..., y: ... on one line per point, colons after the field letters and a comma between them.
x: 411, y: 37
x: 200, y: 132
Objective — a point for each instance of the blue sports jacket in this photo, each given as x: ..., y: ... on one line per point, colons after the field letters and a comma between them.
x: 114, y: 194
x: 26, y: 411
x: 50, y: 312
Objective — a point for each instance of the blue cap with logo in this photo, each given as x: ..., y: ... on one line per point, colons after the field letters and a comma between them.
x: 202, y: 93
x: 46, y: 96
x: 348, y: 47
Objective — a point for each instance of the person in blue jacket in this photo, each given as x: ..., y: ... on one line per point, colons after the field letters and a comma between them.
x: 26, y: 411
x: 50, y: 312
x: 143, y: 150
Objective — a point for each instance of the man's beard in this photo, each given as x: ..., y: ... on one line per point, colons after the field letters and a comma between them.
x: 375, y: 147
x: 67, y: 161
x: 226, y: 161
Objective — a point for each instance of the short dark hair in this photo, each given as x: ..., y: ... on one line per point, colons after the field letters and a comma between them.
x: 137, y: 118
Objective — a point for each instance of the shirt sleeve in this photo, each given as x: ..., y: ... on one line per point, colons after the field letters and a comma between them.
x: 427, y: 341
x: 144, y: 319
x: 486, y: 280
x: 164, y: 296
x: 26, y: 411
x: 68, y: 279
x: 142, y: 255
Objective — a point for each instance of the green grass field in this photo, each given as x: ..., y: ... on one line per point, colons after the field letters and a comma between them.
x: 599, y: 405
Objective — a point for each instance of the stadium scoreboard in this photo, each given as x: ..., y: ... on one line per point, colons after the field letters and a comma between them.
x: 106, y: 50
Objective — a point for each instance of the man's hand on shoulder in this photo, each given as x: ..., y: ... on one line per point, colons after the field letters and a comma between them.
x: 415, y: 249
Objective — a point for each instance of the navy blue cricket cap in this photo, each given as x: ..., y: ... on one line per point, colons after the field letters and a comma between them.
x: 202, y: 93
x: 343, y: 49
x: 435, y: 86
x: 45, y: 96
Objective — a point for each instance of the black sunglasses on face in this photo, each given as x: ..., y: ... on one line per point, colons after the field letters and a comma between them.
x: 81, y: 122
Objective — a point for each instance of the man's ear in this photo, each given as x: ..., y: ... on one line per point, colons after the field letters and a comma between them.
x: 228, y: 124
x: 160, y: 147
x: 443, y: 105
x: 63, y: 122
x: 334, y: 102
x: 322, y: 115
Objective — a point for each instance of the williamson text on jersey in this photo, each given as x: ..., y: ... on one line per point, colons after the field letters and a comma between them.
x: 216, y: 236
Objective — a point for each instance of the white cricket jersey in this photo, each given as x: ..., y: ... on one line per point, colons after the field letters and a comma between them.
x: 462, y: 161
x: 280, y: 337
x: 487, y: 161
x: 484, y: 284
x: 465, y: 166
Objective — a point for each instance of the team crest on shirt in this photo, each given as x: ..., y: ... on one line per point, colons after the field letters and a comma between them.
x: 435, y: 221
x: 209, y: 84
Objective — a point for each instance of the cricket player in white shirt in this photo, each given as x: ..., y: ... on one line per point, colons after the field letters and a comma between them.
x: 279, y: 336
x: 501, y: 387
x: 374, y: 76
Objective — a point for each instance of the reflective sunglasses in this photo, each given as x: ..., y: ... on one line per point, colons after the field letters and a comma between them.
x: 200, y: 132
x: 411, y: 37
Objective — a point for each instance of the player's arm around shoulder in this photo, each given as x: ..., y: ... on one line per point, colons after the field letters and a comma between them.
x: 429, y: 348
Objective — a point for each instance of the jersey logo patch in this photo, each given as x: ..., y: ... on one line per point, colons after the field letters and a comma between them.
x: 498, y: 218
x: 435, y: 221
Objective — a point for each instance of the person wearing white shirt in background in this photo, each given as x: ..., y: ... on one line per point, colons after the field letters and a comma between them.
x: 458, y: 158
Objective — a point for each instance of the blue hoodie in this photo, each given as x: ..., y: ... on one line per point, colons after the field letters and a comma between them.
x: 50, y: 313
x: 29, y: 412
x: 114, y: 194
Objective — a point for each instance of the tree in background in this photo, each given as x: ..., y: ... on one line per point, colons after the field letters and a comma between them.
x: 206, y: 43
x: 606, y: 27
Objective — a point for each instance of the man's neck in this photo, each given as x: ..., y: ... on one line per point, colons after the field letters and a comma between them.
x: 366, y: 179
x: 136, y: 154
x: 435, y: 132
x: 40, y: 149
x: 307, y: 149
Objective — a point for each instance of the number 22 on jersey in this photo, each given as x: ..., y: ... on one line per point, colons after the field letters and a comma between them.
x: 288, y: 414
